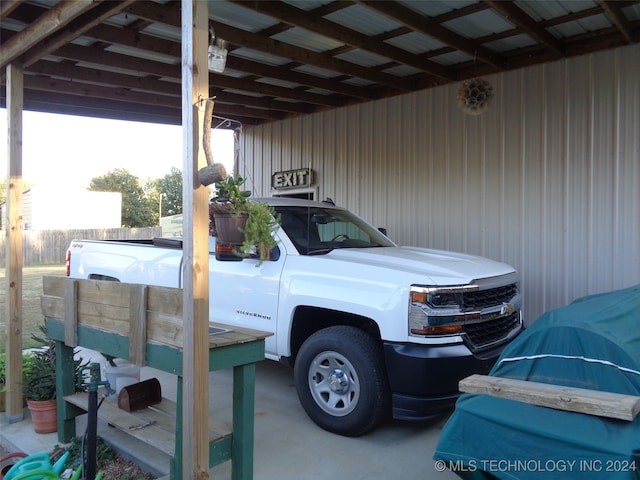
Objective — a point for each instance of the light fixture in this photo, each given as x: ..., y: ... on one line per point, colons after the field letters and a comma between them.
x: 217, y: 54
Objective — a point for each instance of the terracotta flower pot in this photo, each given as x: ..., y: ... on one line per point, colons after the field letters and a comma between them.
x: 44, y: 415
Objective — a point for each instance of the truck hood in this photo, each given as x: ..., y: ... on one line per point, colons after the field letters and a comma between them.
x: 441, y: 267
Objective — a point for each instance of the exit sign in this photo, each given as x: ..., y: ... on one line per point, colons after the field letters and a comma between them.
x: 301, y: 177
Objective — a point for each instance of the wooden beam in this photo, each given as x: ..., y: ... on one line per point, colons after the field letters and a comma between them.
x: 195, y: 88
x: 98, y: 56
x: 53, y: 20
x: 82, y: 81
x: 132, y: 38
x: 266, y: 44
x: 138, y: 297
x: 518, y: 17
x: 13, y: 267
x: 8, y: 6
x: 85, y: 106
x: 111, y: 34
x: 433, y: 29
x: 280, y: 73
x: 71, y: 313
x: 312, y: 22
x: 70, y: 72
x: 167, y: 15
x: 580, y: 400
x: 305, y: 56
x: 74, y: 53
x: 55, y: 85
x: 75, y: 28
x: 223, y: 81
x: 614, y: 12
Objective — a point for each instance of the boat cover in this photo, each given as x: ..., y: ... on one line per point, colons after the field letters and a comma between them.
x: 592, y: 343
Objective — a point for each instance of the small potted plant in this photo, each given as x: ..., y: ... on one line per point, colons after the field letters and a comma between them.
x: 236, y: 220
x: 39, y: 388
x: 39, y: 384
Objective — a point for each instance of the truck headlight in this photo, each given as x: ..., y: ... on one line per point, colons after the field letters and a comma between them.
x: 438, y: 311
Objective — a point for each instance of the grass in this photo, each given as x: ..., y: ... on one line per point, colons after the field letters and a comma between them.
x: 32, y: 316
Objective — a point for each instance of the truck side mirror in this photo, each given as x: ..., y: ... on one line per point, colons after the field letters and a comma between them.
x: 225, y: 253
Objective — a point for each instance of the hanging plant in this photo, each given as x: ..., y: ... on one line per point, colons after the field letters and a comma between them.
x: 236, y: 220
x: 474, y: 96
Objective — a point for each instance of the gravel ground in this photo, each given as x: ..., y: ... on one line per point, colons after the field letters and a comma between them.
x: 122, y: 469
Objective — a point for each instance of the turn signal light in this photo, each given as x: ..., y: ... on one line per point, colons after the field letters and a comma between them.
x: 418, y: 297
x: 221, y: 248
x: 438, y: 330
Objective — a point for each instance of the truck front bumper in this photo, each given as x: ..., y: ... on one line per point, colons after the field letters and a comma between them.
x: 424, y: 378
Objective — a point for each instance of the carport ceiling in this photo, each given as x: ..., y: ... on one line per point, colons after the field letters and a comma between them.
x: 121, y: 59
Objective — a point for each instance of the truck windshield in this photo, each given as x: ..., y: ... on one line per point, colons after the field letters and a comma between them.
x: 318, y: 230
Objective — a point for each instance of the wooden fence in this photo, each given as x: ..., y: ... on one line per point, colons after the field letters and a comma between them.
x: 49, y: 247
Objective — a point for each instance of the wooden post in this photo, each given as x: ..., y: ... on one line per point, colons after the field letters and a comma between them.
x: 15, y: 102
x: 195, y: 91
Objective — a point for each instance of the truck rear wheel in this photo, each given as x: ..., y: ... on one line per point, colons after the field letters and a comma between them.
x: 341, y: 382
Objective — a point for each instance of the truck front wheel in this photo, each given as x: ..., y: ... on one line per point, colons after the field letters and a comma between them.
x: 340, y: 379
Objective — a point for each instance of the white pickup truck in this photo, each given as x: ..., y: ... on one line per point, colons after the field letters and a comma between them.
x: 370, y: 328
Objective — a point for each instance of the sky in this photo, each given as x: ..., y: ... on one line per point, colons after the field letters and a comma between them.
x: 57, y: 149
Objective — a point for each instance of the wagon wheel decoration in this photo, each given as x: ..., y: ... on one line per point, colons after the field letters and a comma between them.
x: 474, y: 96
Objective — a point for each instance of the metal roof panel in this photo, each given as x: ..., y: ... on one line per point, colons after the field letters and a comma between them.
x: 363, y: 20
x: 364, y: 58
x: 632, y: 12
x: 552, y: 8
x: 479, y: 24
x: 415, y: 42
x: 433, y: 8
x: 452, y: 58
x: 316, y: 71
x: 306, y: 39
x: 139, y: 53
x: 511, y: 43
x: 238, y: 16
x: 259, y: 56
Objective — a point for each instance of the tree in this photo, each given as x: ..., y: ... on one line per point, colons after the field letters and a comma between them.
x: 138, y: 206
x: 170, y: 187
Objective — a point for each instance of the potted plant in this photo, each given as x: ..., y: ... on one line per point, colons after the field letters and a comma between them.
x: 39, y: 388
x: 236, y: 220
x: 39, y: 384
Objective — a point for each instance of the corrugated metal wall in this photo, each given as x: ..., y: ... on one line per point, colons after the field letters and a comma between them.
x: 547, y: 180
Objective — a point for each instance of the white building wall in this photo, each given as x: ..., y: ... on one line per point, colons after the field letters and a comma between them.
x: 60, y: 209
x: 547, y: 180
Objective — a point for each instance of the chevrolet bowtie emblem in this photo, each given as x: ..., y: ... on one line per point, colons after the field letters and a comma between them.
x: 507, y: 308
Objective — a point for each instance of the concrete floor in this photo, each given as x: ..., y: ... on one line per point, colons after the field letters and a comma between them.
x: 288, y: 445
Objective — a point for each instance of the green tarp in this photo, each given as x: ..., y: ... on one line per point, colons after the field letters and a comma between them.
x: 593, y: 343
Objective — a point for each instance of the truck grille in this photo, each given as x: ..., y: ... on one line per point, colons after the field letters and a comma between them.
x: 473, y: 299
x: 488, y: 298
x: 486, y: 334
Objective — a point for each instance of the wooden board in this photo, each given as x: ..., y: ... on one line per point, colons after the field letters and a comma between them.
x: 161, y: 420
x: 110, y: 306
x: 591, y: 402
